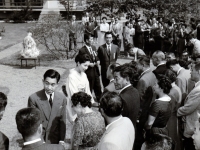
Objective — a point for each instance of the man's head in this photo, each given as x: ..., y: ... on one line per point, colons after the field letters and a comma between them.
x: 159, y: 142
x: 116, y: 19
x: 170, y: 56
x: 143, y: 64
x: 111, y: 105
x: 3, y: 103
x: 112, y: 19
x: 173, y: 64
x: 88, y: 38
x: 87, y: 14
x: 110, y: 70
x: 73, y: 17
x: 29, y: 123
x: 108, y: 37
x: 185, y: 55
x: 195, y: 72
x: 122, y: 75
x: 158, y: 57
x: 50, y: 80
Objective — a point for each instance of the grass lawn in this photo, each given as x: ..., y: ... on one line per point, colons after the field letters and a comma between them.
x: 14, y: 33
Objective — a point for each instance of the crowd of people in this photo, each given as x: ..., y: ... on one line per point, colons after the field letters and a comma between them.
x: 138, y: 108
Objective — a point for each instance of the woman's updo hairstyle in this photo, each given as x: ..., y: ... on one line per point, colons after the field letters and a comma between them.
x: 83, y: 98
x: 165, y: 84
x: 82, y: 58
x: 171, y: 75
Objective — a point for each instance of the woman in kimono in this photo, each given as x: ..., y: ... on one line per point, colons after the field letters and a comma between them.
x: 77, y: 81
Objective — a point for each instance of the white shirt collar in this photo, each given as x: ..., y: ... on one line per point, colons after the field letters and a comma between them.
x: 179, y: 70
x: 165, y: 99
x: 31, y: 142
x: 161, y: 64
x: 145, y: 71
x: 109, y: 44
x: 124, y: 88
x: 112, y: 80
x: 113, y: 122
x: 197, y: 83
x: 48, y: 96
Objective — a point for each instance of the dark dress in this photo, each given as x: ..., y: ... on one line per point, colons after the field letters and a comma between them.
x: 172, y: 124
x: 88, y: 130
x: 161, y: 109
x: 181, y: 43
x: 89, y: 28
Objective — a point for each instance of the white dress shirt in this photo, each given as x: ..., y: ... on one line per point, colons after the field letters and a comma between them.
x: 33, y: 141
x: 124, y: 88
x: 48, y: 96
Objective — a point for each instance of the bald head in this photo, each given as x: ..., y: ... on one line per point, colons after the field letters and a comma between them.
x: 158, y: 57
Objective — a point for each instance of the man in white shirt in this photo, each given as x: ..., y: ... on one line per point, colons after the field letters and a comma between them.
x: 29, y: 124
x: 120, y: 132
x: 52, y: 106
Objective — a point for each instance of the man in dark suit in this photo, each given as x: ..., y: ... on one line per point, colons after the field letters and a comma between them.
x: 146, y: 81
x: 93, y: 70
x: 4, y: 141
x: 158, y: 59
x: 29, y: 124
x: 129, y: 95
x: 52, y: 106
x: 139, y: 36
x: 107, y: 54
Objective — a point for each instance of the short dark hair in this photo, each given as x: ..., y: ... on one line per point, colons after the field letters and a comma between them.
x: 171, y: 75
x: 3, y: 100
x: 52, y: 74
x: 125, y: 71
x: 126, y: 23
x: 87, y: 37
x: 165, y: 84
x: 83, y: 98
x: 159, y: 141
x: 112, y: 104
x: 28, y: 121
x: 113, y: 66
x: 171, y: 63
x: 145, y: 60
x: 108, y: 33
x: 82, y: 58
x: 104, y: 18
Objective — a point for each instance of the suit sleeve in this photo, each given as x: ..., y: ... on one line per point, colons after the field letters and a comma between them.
x: 31, y: 103
x: 180, y: 85
x: 141, y: 87
x: 190, y: 106
x: 63, y: 120
x: 99, y: 53
x: 4, y: 143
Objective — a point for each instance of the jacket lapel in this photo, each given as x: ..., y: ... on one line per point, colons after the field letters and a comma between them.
x: 45, y: 105
x: 55, y: 107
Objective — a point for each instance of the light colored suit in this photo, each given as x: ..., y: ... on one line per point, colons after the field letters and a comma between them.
x: 120, y: 135
x: 182, y: 80
x: 53, y: 119
x: 190, y: 111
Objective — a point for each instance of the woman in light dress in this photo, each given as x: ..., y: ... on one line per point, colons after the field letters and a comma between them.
x: 77, y: 81
x: 104, y: 27
x: 30, y: 49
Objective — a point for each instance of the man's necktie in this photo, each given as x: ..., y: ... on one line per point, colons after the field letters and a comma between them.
x: 50, y: 100
x: 91, y: 52
x: 108, y: 50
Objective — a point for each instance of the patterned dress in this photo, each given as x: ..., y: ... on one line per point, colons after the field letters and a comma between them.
x: 88, y: 130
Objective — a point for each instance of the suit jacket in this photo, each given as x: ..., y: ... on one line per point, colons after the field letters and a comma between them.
x: 131, y: 99
x: 160, y: 70
x: 120, y: 135
x: 73, y: 27
x: 147, y: 79
x: 93, y: 59
x: 53, y: 120
x: 4, y: 142
x: 138, y: 36
x: 105, y: 58
x: 42, y: 146
x: 190, y: 111
x: 182, y: 81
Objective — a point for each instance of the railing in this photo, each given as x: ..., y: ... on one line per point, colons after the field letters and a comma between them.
x: 18, y: 5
